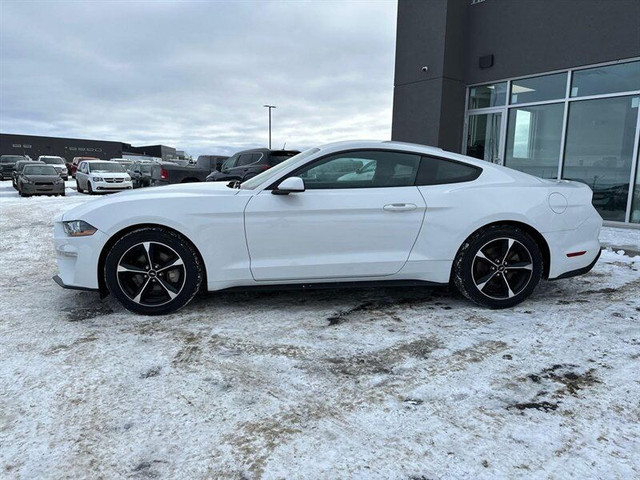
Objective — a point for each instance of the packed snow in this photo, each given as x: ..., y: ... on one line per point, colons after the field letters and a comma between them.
x: 404, y: 383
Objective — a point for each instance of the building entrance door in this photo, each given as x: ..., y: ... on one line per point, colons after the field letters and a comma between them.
x: 484, y: 139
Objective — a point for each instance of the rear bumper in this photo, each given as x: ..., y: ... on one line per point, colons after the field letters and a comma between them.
x: 579, y: 271
x: 566, y: 242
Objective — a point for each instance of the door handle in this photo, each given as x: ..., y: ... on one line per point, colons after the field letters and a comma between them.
x: 400, y: 207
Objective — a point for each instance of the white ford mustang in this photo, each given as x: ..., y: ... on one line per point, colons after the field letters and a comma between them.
x: 415, y: 215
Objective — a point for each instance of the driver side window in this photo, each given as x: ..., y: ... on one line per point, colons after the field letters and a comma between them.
x: 362, y: 169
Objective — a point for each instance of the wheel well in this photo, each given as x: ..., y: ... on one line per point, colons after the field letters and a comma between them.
x: 537, y: 237
x: 104, y: 291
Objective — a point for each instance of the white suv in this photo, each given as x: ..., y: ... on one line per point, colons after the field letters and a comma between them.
x: 58, y: 163
x: 102, y: 176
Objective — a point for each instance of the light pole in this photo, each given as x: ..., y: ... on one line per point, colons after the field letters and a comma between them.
x: 270, y: 107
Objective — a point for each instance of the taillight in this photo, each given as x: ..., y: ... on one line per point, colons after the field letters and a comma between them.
x: 262, y: 168
x: 164, y: 174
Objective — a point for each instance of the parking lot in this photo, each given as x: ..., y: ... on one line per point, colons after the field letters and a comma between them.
x: 407, y: 383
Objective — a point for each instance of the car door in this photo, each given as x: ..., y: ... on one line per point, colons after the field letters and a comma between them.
x: 338, y: 228
x: 81, y: 175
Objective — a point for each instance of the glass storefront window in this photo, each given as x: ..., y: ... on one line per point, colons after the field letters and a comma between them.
x: 599, y: 150
x: 622, y: 77
x: 534, y: 136
x: 635, y: 204
x: 538, y: 89
x: 486, y: 96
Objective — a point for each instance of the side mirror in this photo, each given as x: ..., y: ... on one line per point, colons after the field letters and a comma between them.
x: 289, y: 185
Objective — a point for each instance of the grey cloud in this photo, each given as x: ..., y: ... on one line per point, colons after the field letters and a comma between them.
x: 196, y: 74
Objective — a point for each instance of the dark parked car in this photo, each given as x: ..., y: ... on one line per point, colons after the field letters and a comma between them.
x: 8, y: 165
x: 39, y: 179
x: 59, y: 163
x: 249, y: 163
x: 18, y: 168
x: 140, y: 173
x: 212, y: 162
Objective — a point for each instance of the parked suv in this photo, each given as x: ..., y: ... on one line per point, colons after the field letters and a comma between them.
x: 102, y: 176
x: 8, y: 165
x: 249, y: 163
x: 58, y: 163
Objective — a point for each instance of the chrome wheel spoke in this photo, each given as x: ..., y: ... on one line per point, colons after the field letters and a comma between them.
x: 482, y: 282
x: 138, y: 297
x: 176, y: 263
x: 510, y: 242
x: 520, y: 266
x: 484, y: 257
x: 127, y: 269
x: 172, y: 294
x: 510, y: 293
x: 147, y: 249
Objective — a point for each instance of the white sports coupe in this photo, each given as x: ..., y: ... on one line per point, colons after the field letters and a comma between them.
x: 423, y: 216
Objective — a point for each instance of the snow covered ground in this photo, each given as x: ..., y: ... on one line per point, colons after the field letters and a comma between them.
x: 407, y: 383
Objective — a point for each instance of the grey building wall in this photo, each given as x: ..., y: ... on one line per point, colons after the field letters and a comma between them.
x: 524, y: 36
x: 34, y: 146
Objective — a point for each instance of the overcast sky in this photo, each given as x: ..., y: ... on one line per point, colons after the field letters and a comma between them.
x: 195, y: 75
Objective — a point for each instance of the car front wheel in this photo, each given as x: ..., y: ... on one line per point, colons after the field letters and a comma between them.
x: 498, y: 267
x: 153, y: 271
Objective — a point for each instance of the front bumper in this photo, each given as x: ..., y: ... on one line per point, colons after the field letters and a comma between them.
x: 78, y: 258
x: 33, y: 189
x: 111, y: 186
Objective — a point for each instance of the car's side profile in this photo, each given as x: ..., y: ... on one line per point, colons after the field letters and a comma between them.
x: 420, y: 215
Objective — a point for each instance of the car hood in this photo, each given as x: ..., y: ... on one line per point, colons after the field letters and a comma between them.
x: 129, y: 198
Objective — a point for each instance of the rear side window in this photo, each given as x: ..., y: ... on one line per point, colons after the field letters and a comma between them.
x: 438, y: 171
x: 247, y: 159
x: 276, y: 158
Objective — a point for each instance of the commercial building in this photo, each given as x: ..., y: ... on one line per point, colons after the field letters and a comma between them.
x: 548, y: 88
x: 34, y: 146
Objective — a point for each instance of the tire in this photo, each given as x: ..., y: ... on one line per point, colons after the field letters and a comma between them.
x: 157, y: 291
x: 78, y: 187
x: 89, y: 189
x: 491, y: 278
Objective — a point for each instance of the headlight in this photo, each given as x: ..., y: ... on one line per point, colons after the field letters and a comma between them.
x: 64, y: 169
x: 59, y: 181
x: 97, y: 179
x: 26, y: 180
x: 78, y: 228
x: 127, y: 178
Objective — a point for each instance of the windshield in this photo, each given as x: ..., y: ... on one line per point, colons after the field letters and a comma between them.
x: 10, y: 158
x: 267, y: 175
x: 39, y: 170
x: 106, y: 167
x: 52, y: 160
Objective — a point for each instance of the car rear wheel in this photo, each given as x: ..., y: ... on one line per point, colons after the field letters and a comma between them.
x: 498, y: 267
x: 153, y: 271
